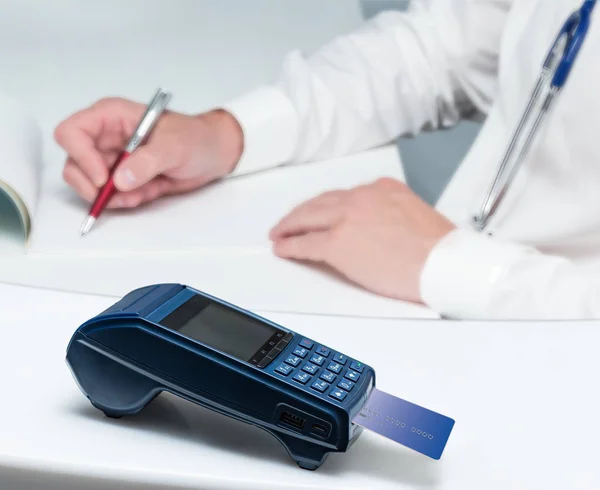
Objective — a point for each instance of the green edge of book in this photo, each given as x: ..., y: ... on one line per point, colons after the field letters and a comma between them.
x: 20, y: 207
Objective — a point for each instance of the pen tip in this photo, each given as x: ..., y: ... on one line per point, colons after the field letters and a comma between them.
x: 87, y: 225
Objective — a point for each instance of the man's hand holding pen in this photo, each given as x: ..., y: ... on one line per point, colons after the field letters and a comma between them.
x: 183, y: 152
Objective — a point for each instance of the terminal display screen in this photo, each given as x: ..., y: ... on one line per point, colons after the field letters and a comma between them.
x: 220, y: 327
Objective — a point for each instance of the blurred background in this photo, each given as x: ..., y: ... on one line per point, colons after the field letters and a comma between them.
x: 431, y: 158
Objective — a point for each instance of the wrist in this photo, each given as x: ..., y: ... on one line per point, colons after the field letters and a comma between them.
x: 229, y: 138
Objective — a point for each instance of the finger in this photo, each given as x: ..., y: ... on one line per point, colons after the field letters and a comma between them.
x: 86, y: 133
x: 79, y: 181
x: 389, y: 183
x: 326, y: 198
x: 112, y: 141
x: 74, y: 176
x: 317, y: 214
x: 140, y: 168
x: 109, y: 122
x: 77, y: 135
x: 307, y: 221
x: 312, y: 246
x: 110, y: 157
x: 158, y: 187
x: 145, y: 194
x: 81, y: 149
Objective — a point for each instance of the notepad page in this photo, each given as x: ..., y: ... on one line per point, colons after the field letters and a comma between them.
x: 20, y: 156
x: 235, y: 213
x: 12, y: 233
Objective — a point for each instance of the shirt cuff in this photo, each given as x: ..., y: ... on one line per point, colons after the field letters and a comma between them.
x: 464, y: 271
x: 270, y: 127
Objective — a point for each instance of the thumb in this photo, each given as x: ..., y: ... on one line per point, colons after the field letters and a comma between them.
x: 311, y: 246
x: 140, y: 167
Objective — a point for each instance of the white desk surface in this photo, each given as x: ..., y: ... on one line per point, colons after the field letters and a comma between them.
x: 522, y: 394
x: 523, y: 397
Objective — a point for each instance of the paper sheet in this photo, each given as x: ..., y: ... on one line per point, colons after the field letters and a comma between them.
x: 233, y: 214
x: 12, y: 233
x: 20, y: 156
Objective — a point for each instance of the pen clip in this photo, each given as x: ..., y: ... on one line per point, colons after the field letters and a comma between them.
x: 155, y: 108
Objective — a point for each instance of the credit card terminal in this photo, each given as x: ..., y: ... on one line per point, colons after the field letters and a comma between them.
x: 173, y: 338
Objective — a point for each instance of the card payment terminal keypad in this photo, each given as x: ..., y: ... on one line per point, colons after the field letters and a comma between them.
x: 320, y: 370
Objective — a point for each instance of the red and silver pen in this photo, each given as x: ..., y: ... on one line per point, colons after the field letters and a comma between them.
x: 156, y: 107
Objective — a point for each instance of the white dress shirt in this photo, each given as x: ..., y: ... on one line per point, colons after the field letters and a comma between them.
x: 403, y: 72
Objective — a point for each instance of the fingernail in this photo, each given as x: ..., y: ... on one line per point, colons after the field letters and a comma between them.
x: 99, y: 180
x: 99, y: 176
x: 125, y: 178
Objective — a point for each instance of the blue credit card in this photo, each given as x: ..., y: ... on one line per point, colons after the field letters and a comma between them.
x: 412, y: 426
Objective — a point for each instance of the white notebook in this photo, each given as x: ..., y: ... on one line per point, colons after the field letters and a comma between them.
x: 20, y: 165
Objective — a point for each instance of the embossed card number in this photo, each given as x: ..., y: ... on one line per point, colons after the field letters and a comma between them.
x: 408, y: 424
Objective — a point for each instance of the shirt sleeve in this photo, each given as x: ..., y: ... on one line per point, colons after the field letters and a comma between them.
x: 472, y: 276
x: 399, y: 73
